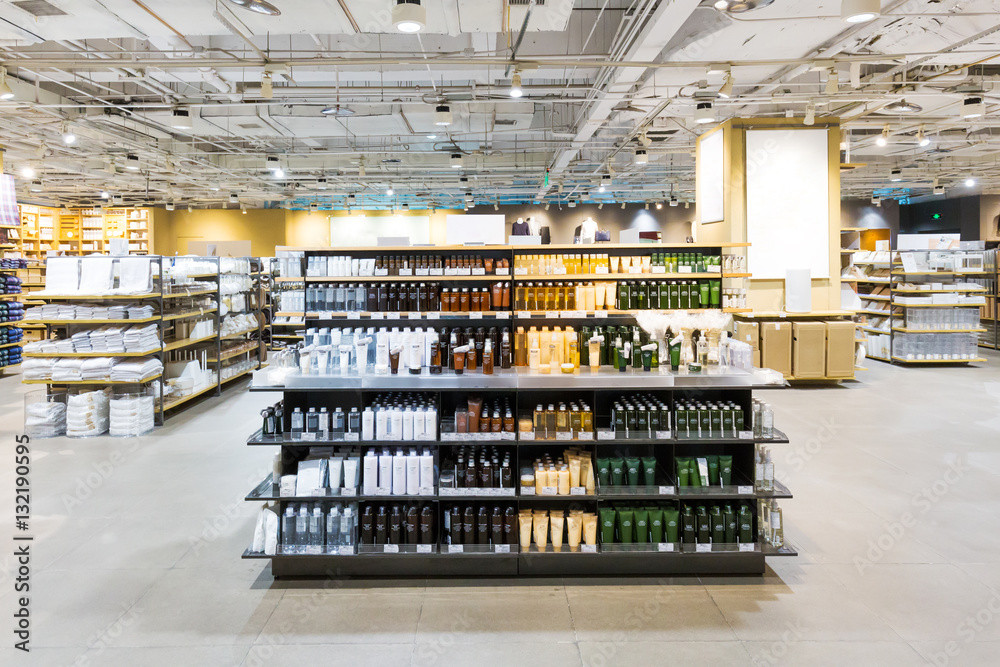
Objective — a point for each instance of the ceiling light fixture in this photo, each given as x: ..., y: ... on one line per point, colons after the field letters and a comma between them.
x: 896, y: 175
x: 832, y: 82
x: 266, y: 86
x: 313, y: 207
x: 104, y: 194
x: 922, y: 139
x: 659, y: 205
x: 169, y: 206
x: 810, y: 118
x: 321, y: 184
x: 902, y: 106
x: 389, y: 191
x: 132, y: 162
x: 727, y: 88
x: 673, y: 201
x: 973, y: 107
x: 432, y: 136
x: 243, y: 209
x: 600, y: 206
x: 442, y: 115
x: 883, y: 139
x: 117, y: 200
x: 190, y: 208
x: 741, y: 6
x: 279, y: 173
x: 258, y: 7
x: 409, y: 16
x: 456, y: 160
x: 641, y: 157
x: 970, y: 182
x: 704, y: 113
x: 180, y: 119
x: 234, y: 198
x: 515, y: 85
x: 860, y: 11
x: 27, y: 171
x: 36, y: 186
x: 5, y: 92
x: 571, y: 203
x: 272, y: 163
x: 67, y: 135
x: 623, y: 206
x: 547, y: 205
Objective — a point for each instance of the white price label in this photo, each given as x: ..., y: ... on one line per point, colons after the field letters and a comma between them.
x: 479, y: 272
x: 503, y: 271
x: 435, y: 272
x: 477, y: 315
x: 390, y: 548
x: 450, y: 437
x: 508, y: 435
x: 347, y: 492
x: 713, y: 268
x: 447, y: 492
x: 423, y: 272
x: 381, y: 272
x: 507, y: 492
x: 425, y: 549
x: 501, y: 548
x: 434, y: 315
x: 559, y: 271
x: 392, y: 316
x: 665, y: 546
x: 563, y: 435
x: 578, y: 491
x: 406, y: 272
x: 383, y: 491
x: 684, y: 269
x: 520, y: 271
x: 524, y: 314
x: 663, y: 435
x: 588, y: 548
x: 308, y: 436
x: 585, y: 435
x: 526, y: 435
x: 658, y: 269
x: 345, y: 551
x: 601, y: 314
x: 746, y: 546
x: 550, y: 491
x: 605, y: 435
x: 667, y: 490
x: 425, y: 491
x: 703, y: 548
x: 451, y: 272
x: 354, y: 315
x: 527, y: 490
x: 744, y: 490
x: 456, y: 548
x: 414, y: 315
x: 746, y: 435
x: 575, y: 314
x: 377, y: 316
x: 318, y: 492
x: 601, y: 270
x: 634, y: 269
x: 325, y: 315
x: 492, y: 492
x: 352, y: 437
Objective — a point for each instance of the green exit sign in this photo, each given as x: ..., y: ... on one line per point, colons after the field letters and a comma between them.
x: 936, y: 216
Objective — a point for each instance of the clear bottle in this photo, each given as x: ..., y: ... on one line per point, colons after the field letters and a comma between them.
x: 758, y: 474
x: 767, y: 422
x: 768, y: 484
x: 302, y: 529
x: 298, y: 423
x: 347, y: 527
x: 777, y: 528
x: 763, y: 521
x: 316, y: 531
x: 288, y: 531
x: 333, y: 529
x: 758, y: 422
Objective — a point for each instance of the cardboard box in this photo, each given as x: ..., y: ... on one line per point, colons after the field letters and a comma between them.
x: 748, y: 332
x: 809, y: 349
x: 756, y: 358
x: 776, y: 346
x: 840, y: 349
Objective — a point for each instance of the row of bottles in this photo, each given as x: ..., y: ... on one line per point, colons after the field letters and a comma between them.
x: 397, y: 524
x: 480, y: 416
x: 563, y: 422
x: 623, y: 295
x: 310, y: 530
x: 574, y: 469
x: 711, y: 419
x: 573, y: 264
x: 480, y: 525
x: 473, y: 467
x: 399, y: 265
x: 770, y: 527
x: 639, y: 416
x: 404, y: 297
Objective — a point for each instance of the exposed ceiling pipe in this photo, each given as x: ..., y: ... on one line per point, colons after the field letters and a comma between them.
x: 212, y: 78
x: 167, y: 25
x: 236, y: 31
x: 520, y: 35
x: 350, y: 16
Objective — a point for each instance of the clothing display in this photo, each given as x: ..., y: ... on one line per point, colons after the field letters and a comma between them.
x: 520, y: 228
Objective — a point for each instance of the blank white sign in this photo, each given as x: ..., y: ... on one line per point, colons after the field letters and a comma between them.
x: 357, y: 231
x: 788, y: 202
x: 488, y: 229
x: 711, y: 180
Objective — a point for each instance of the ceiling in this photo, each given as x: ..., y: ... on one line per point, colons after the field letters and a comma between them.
x: 601, y: 78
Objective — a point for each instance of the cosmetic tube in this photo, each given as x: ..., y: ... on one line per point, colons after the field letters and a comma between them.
x: 382, y: 353
x: 540, y: 523
x: 574, y: 472
x: 574, y: 526
x: 335, y: 467
x: 726, y: 470
x: 607, y: 525
x: 641, y: 526
x: 394, y: 353
x: 557, y: 521
x: 524, y: 521
x: 590, y: 529
x: 361, y: 360
x: 702, y: 471
x: 416, y: 352
x: 655, y: 525
x: 345, y: 360
x: 368, y: 424
x: 563, y: 481
x: 626, y: 525
x: 649, y: 470
x: 350, y: 473
x: 632, y: 470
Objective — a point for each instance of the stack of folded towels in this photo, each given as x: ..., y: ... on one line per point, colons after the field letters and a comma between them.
x: 87, y: 414
x: 131, y: 415
x: 134, y: 370
x: 45, y: 419
x: 110, y: 340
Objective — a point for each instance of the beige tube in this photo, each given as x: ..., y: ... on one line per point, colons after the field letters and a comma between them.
x: 541, y: 523
x: 524, y: 520
x: 599, y: 296
x: 574, y: 472
x: 587, y: 474
x: 590, y: 529
x: 610, y: 294
x: 574, y: 524
x: 557, y: 520
x: 562, y: 477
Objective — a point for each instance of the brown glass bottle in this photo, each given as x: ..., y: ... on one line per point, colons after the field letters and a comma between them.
x: 381, y: 529
x: 426, y: 525
x: 456, y: 525
x: 484, y: 420
x: 510, y: 533
x: 505, y: 348
x: 496, y: 526
x: 488, y: 358
x: 474, y: 304
x: 485, y: 474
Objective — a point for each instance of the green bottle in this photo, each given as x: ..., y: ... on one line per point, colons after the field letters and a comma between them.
x: 688, y: 525
x: 656, y: 525
x: 671, y: 520
x: 664, y: 289
x: 745, y: 523
x: 623, y: 296
x: 626, y: 526
x: 675, y: 295
x: 642, y: 526
x: 730, y: 519
x: 685, y: 296
x: 718, y: 525
x: 715, y: 293
x: 654, y: 296
x: 704, y: 525
x: 640, y: 294
x: 705, y: 291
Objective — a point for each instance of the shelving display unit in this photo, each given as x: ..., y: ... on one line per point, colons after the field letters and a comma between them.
x: 77, y: 232
x: 989, y: 317
x: 11, y: 331
x: 287, y: 299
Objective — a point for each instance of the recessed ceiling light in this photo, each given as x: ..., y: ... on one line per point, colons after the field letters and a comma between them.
x: 258, y: 7
x: 409, y: 16
x: 36, y: 186
x: 741, y: 6
x: 860, y: 11
x: 902, y: 106
x: 27, y: 171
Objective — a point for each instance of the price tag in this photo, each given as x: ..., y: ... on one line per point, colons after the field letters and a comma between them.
x: 550, y: 491
x: 345, y: 551
x: 501, y: 548
x: 435, y: 272
x: 434, y: 315
x: 634, y: 269
x: 520, y: 271
x: 588, y: 548
x: 383, y: 491
x: 684, y: 269
x: 456, y: 548
x: 601, y: 314
x: 503, y: 271
x: 422, y: 272
x: 365, y: 273
x: 585, y: 435
x: 578, y: 491
x: 348, y: 492
x: 713, y: 268
x: 507, y: 492
x: 451, y: 437
x: 665, y: 546
x: 479, y: 272
x: 601, y: 270
x: 447, y: 492
x: 451, y: 272
x: 325, y: 315
x: 527, y: 490
x: 318, y: 492
x: 746, y: 546
x: 381, y: 272
x: 524, y: 314
x: 390, y: 548
x: 658, y: 269
x: 744, y: 490
x: 425, y: 548
x: 703, y: 548
x: 414, y: 315
x: 526, y: 435
x: 477, y: 315
x: 663, y: 435
x: 377, y: 316
x: 492, y: 492
x: 508, y: 435
x: 353, y: 315
x: 425, y: 491
x: 308, y: 436
x: 563, y: 435
x: 575, y: 314
x: 667, y: 490
x: 605, y: 435
x: 392, y: 316
x: 352, y: 437
x: 406, y: 272
x: 559, y: 271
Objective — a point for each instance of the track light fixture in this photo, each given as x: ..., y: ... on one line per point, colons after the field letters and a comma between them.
x: 659, y: 205
x: 970, y: 182
x: 641, y: 157
x: 5, y: 92
x: 409, y: 16
x: 896, y: 175
x: 740, y: 6
x: 36, y: 186
x: 515, y: 85
x: 922, y: 138
x: 234, y: 198
x: 810, y: 118
x: 67, y: 135
x: 973, y: 107
x: 860, y: 11
x: 169, y: 206
x: 832, y: 82
x: 456, y: 160
x: 673, y: 201
x: 266, y: 86
x: 117, y: 200
x: 726, y: 91
x: 132, y: 162
x: 883, y: 139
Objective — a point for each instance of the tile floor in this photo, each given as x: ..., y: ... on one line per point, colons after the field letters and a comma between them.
x: 896, y: 516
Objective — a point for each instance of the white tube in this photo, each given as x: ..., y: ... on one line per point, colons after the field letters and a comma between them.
x: 370, y: 477
x: 426, y: 470
x: 385, y: 472
x: 362, y: 354
x: 357, y: 472
x: 430, y: 424
x: 350, y: 473
x: 412, y: 474
x: 336, y: 468
x: 382, y: 353
x: 399, y: 475
x: 418, y: 424
x: 345, y: 359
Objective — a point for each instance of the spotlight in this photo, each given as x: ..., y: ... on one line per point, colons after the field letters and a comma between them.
x: 432, y: 136
x: 321, y: 184
x: 243, y: 209
x: 496, y: 206
x: 442, y: 115
x: 883, y: 139
x: 673, y: 201
x: 727, y: 88
x: 704, y: 113
x: 970, y: 182
x: 272, y: 162
x: 266, y: 86
x: 641, y: 157
x: 740, y: 6
x: 810, y: 118
x: 922, y: 139
x: 389, y: 191
x: 515, y: 86
x: 860, y: 11
x: 832, y: 83
x: 190, y: 208
x: 409, y: 16
x: 104, y: 194
x: 169, y: 206
x: 902, y: 106
x: 973, y: 107
x: 572, y: 203
x: 132, y: 162
x: 600, y: 206
x: 313, y: 208
x: 214, y: 186
x: 67, y: 136
x: 5, y: 92
x: 939, y: 189
x: 456, y: 160
x: 279, y: 173
x: 258, y: 7
x: 623, y: 206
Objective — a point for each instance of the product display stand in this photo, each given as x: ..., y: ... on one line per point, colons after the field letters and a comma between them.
x: 522, y: 389
x: 989, y: 317
x: 242, y: 351
x: 287, y: 300
x: 10, y: 350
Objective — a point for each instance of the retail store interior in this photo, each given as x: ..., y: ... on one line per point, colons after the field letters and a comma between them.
x: 564, y: 332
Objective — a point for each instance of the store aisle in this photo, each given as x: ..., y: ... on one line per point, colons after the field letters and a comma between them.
x: 896, y: 515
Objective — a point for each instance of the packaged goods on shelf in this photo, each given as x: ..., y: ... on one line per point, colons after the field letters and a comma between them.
x: 556, y: 529
x: 403, y: 265
x: 406, y: 525
x: 312, y: 528
x: 474, y: 470
x: 107, y: 339
x: 44, y: 415
x: 131, y: 414
x: 11, y: 311
x: 478, y: 525
x: 98, y: 276
x: 571, y: 264
x: 87, y: 413
x: 571, y: 474
x: 10, y: 284
x: 235, y: 324
x: 78, y: 311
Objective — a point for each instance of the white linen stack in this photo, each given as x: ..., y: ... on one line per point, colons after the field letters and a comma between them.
x: 131, y: 415
x: 141, y: 338
x: 97, y: 368
x: 87, y: 413
x: 45, y: 419
x: 67, y: 370
x: 134, y: 370
x: 138, y: 312
x: 37, y: 369
x: 136, y: 275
